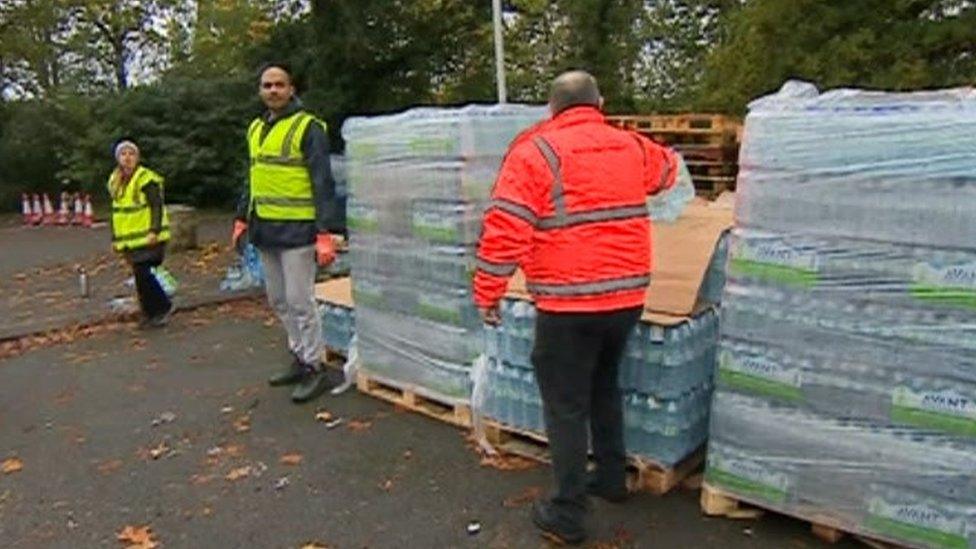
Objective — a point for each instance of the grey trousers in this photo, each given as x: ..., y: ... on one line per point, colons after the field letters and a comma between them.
x: 289, y: 279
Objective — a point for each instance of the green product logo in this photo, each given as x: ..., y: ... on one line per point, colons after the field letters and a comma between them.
x: 917, y: 522
x: 431, y: 145
x: 438, y: 228
x: 775, y: 262
x: 439, y: 310
x: 362, y: 218
x: 748, y: 478
x: 760, y: 376
x: 949, y: 285
x: 947, y: 410
x: 363, y: 149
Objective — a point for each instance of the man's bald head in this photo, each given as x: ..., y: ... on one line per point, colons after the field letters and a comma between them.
x: 574, y: 88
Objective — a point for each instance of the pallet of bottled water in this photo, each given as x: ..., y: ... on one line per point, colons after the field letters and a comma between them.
x: 666, y: 377
x: 847, y: 363
x: 418, y: 183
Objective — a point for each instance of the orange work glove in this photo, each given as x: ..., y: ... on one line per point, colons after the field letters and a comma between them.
x: 240, y: 228
x: 325, y: 251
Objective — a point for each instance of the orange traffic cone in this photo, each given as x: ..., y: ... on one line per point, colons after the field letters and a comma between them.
x: 25, y: 209
x: 63, y: 209
x: 89, y: 217
x: 38, y: 212
x: 48, y: 218
x: 79, y: 216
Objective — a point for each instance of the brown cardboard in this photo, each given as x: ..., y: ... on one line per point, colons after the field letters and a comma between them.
x: 337, y: 291
x: 682, y: 251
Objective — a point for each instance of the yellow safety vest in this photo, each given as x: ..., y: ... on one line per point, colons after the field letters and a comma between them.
x: 131, y: 215
x: 281, y: 188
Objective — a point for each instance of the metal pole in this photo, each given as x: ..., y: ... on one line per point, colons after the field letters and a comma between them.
x: 496, y: 8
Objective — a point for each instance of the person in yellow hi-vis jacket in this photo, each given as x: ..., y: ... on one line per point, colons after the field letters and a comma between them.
x: 140, y: 228
x: 286, y: 210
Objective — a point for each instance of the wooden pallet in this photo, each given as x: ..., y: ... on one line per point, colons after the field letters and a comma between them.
x: 712, y: 186
x: 414, y: 400
x: 728, y: 153
x: 695, y: 139
x: 677, y: 122
x: 718, y: 503
x: 644, y: 475
x: 713, y: 169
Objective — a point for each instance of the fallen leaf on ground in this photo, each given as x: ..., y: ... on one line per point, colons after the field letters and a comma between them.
x: 109, y: 466
x: 505, y: 462
x: 11, y: 465
x: 528, y: 495
x: 159, y: 450
x: 358, y: 426
x: 199, y: 479
x: 242, y: 424
x: 291, y: 459
x: 64, y: 397
x: 323, y: 415
x: 163, y: 418
x: 137, y: 537
x: 239, y: 473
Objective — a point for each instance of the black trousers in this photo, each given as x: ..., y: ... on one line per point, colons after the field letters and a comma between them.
x: 576, y: 358
x: 152, y: 299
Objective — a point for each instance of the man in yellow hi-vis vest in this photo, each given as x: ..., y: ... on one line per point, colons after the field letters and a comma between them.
x: 285, y: 211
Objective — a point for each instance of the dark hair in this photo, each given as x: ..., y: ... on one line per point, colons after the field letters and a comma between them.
x: 573, y: 88
x: 276, y: 65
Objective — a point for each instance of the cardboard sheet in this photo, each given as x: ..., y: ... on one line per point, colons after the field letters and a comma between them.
x: 337, y: 291
x: 682, y: 251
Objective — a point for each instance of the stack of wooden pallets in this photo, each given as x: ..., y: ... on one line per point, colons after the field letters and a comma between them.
x: 709, y: 144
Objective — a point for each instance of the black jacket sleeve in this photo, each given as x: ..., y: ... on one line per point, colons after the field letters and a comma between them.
x: 155, y: 200
x: 315, y: 148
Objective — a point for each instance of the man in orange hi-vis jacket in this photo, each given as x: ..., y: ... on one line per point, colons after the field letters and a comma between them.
x: 569, y: 209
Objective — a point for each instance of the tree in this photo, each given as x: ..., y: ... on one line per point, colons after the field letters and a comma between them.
x: 536, y: 48
x: 676, y: 37
x: 887, y: 44
x: 370, y: 56
x: 35, y: 39
x: 190, y: 130
x: 123, y: 35
x: 605, y: 41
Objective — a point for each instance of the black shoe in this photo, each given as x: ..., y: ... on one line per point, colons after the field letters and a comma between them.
x: 316, y: 381
x: 157, y: 321
x: 162, y: 320
x: 545, y: 517
x: 290, y: 376
x: 615, y: 494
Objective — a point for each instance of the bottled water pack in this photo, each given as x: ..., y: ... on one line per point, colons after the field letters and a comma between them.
x: 847, y: 361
